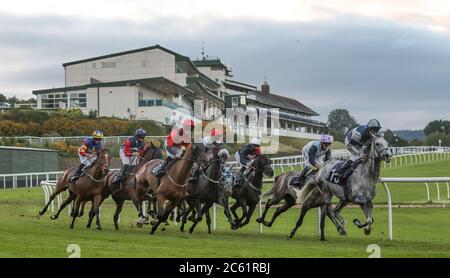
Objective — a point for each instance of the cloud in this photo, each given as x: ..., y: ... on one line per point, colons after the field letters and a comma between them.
x: 372, y: 67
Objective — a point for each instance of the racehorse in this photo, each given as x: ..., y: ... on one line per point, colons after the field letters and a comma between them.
x: 208, y: 190
x: 359, y: 188
x: 172, y: 186
x: 91, y: 187
x: 249, y: 192
x: 309, y: 196
x: 127, y: 191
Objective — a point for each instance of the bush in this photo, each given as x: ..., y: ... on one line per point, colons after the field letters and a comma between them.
x: 433, y: 139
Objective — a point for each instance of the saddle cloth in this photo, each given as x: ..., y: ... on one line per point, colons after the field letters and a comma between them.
x: 336, y: 177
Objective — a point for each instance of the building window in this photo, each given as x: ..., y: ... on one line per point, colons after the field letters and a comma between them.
x: 234, y: 101
x: 140, y: 96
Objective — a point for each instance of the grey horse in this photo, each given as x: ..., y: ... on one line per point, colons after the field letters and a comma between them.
x: 359, y: 188
x: 311, y: 195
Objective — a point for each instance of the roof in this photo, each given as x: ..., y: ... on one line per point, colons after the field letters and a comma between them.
x: 212, y: 62
x: 157, y: 46
x: 178, y: 57
x: 157, y: 83
x: 282, y: 102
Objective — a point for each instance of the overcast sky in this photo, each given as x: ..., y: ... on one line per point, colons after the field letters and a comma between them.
x: 379, y: 59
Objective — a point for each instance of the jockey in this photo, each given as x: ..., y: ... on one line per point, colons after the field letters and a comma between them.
x: 213, y: 139
x: 245, y: 155
x: 357, y: 142
x: 87, y: 153
x: 315, y: 153
x: 176, y: 143
x: 130, y: 152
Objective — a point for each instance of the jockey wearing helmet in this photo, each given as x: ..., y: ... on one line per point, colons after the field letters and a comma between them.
x: 87, y: 152
x: 176, y: 143
x: 245, y: 155
x: 213, y: 139
x: 357, y: 142
x: 315, y: 153
x: 130, y: 152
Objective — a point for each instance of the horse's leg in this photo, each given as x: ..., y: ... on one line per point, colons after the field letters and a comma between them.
x: 52, y: 196
x: 91, y: 214
x: 331, y: 214
x: 248, y: 215
x: 185, y: 215
x: 266, y: 209
x: 367, y: 209
x: 208, y: 217
x: 75, y: 212
x: 81, y: 213
x: 141, y: 220
x: 226, y: 211
x: 203, y: 210
x: 323, y: 213
x: 337, y: 211
x: 119, y: 206
x: 233, y: 211
x: 198, y: 208
x: 162, y: 214
x: 303, y: 212
x: 69, y: 199
x: 288, y: 203
x: 244, y: 213
x: 97, y: 202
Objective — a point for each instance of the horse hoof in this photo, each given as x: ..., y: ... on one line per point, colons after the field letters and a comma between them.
x: 41, y: 212
x: 367, y: 232
x: 88, y: 226
x: 259, y: 220
x: 80, y: 214
x: 166, y: 223
x: 163, y: 229
x: 139, y: 224
x: 323, y: 239
x: 117, y: 228
x: 98, y: 227
x: 53, y: 217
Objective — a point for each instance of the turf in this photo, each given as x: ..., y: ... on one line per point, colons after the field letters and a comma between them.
x: 418, y: 232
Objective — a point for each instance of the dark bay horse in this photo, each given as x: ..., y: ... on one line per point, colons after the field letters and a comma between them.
x: 208, y: 190
x: 91, y: 187
x: 249, y: 193
x: 128, y: 191
x: 173, y: 185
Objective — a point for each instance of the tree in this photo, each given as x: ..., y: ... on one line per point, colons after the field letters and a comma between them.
x: 339, y: 122
x: 433, y: 139
x: 394, y: 140
x: 437, y: 126
x: 2, y: 98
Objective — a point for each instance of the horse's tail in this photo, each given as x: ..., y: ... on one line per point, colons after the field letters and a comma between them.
x: 307, y: 190
x: 271, y: 190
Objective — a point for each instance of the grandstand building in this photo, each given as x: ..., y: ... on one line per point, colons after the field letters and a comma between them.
x: 159, y: 84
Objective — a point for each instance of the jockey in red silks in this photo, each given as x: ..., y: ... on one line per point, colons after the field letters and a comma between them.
x: 131, y: 152
x: 87, y: 152
x: 175, y: 144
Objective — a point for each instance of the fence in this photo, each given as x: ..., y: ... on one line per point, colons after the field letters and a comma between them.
x: 405, y: 156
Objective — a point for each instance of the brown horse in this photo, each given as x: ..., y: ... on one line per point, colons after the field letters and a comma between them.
x: 172, y: 186
x: 91, y: 187
x: 128, y: 191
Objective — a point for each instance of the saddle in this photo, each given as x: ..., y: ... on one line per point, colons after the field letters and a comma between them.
x: 299, y: 181
x: 336, y: 174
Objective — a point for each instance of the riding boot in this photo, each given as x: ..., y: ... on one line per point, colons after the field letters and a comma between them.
x: 76, y: 175
x: 344, y: 167
x: 194, y: 175
x: 121, y: 174
x: 300, y: 179
x: 352, y: 168
x: 163, y: 167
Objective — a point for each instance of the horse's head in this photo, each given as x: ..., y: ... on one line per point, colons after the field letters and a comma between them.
x: 104, y: 160
x: 381, y: 148
x: 151, y: 151
x: 200, y: 154
x: 262, y: 164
